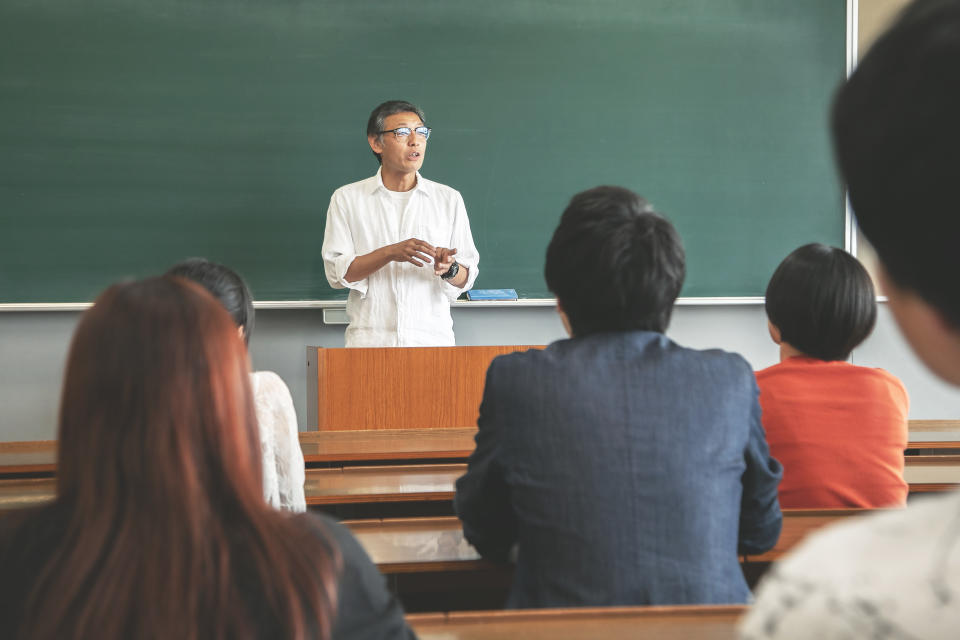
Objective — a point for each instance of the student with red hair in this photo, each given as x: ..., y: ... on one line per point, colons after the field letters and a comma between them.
x: 160, y: 528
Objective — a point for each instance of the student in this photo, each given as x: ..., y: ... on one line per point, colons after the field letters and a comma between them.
x: 896, y: 127
x: 283, y: 468
x: 839, y: 430
x: 627, y: 469
x: 159, y: 528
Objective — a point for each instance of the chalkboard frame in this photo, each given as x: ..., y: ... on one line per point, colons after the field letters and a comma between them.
x: 849, y: 225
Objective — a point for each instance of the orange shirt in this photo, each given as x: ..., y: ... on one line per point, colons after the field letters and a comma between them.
x: 839, y: 430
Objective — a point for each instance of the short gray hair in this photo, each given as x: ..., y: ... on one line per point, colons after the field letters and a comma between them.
x: 383, y: 111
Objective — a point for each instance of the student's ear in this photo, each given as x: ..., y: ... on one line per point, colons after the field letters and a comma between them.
x: 774, y: 332
x: 933, y: 338
x: 375, y: 144
x: 241, y: 331
x: 564, y: 319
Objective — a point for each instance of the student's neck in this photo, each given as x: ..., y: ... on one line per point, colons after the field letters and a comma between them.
x: 789, y: 351
x: 398, y: 181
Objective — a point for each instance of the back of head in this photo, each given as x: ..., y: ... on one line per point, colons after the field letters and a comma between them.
x: 382, y: 111
x: 155, y: 368
x: 158, y: 482
x: 896, y: 126
x: 614, y: 264
x: 225, y: 285
x: 823, y: 302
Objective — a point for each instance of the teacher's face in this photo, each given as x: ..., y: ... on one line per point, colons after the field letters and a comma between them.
x: 400, y: 155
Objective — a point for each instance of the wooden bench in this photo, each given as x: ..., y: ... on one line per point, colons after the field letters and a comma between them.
x: 693, y: 622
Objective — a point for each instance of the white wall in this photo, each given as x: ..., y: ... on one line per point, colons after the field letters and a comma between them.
x: 33, y: 347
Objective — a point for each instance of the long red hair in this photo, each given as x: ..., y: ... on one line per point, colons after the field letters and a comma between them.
x: 165, y: 529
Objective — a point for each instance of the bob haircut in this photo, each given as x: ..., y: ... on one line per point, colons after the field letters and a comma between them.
x: 225, y: 284
x: 159, y: 528
x: 823, y: 302
x: 614, y: 264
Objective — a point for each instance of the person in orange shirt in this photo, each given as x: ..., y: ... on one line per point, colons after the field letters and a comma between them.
x: 838, y: 429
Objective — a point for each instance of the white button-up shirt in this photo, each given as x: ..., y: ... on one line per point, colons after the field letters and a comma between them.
x: 399, y: 305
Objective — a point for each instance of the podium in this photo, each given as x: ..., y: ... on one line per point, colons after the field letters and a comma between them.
x: 397, y: 387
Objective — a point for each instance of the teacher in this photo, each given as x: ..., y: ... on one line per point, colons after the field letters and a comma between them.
x: 399, y: 242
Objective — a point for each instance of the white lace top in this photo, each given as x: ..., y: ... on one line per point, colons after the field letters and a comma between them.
x: 283, y: 469
x: 891, y: 576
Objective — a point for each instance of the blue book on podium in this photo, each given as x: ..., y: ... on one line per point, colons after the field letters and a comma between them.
x: 492, y: 294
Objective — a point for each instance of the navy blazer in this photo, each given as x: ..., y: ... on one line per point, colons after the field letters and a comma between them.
x: 629, y: 470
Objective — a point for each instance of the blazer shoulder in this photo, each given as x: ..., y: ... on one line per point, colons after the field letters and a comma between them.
x: 728, y: 363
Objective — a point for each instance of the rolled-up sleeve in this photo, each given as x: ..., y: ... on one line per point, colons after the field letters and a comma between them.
x: 760, y: 516
x: 339, y: 250
x: 467, y: 254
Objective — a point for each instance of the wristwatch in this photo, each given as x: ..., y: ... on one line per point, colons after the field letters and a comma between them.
x: 451, y: 272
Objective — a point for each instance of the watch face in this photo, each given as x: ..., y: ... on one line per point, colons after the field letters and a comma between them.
x: 452, y: 271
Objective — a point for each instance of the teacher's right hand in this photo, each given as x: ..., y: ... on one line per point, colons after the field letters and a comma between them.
x: 414, y: 251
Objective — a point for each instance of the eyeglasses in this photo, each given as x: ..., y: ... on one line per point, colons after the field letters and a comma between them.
x: 404, y: 132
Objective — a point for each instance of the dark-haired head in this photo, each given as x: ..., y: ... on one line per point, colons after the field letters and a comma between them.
x: 160, y: 518
x: 614, y: 264
x: 896, y: 128
x: 385, y: 110
x: 822, y: 302
x: 225, y: 285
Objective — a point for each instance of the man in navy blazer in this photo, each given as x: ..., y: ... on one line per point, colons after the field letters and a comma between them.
x: 627, y: 469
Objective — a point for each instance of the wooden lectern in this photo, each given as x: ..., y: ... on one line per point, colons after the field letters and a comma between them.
x: 397, y: 388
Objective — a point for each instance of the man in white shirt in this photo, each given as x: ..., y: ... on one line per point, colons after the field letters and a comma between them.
x: 896, y: 126
x: 399, y: 242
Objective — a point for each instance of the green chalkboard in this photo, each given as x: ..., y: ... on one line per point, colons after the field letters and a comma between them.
x: 135, y: 133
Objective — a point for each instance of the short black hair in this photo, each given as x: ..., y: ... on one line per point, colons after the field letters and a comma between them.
x: 614, y: 264
x: 823, y: 302
x: 225, y: 285
x: 385, y: 110
x: 896, y: 129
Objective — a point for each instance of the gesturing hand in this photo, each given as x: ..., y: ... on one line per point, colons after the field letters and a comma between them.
x: 414, y: 251
x: 443, y: 260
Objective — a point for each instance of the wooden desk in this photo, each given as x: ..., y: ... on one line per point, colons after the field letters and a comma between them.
x: 610, y: 623
x: 18, y: 493
x: 401, y: 483
x: 40, y: 457
x: 19, y: 458
x: 387, y: 444
x: 927, y: 474
x: 435, y: 483
x: 411, y: 545
x: 934, y: 434
x: 347, y: 485
x: 401, y: 545
x: 798, y: 524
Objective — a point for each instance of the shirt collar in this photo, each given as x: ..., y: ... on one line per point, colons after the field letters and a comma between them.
x: 421, y: 185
